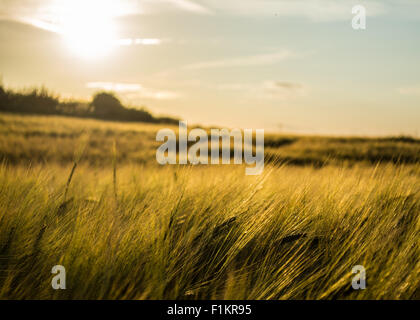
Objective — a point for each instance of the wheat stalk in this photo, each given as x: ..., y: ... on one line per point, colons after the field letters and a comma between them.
x: 114, y: 167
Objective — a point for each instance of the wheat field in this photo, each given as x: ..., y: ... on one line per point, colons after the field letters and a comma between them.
x: 89, y: 195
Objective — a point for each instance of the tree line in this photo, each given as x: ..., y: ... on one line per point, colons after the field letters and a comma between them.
x: 104, y: 106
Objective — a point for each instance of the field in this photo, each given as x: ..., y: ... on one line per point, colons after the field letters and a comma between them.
x: 89, y: 195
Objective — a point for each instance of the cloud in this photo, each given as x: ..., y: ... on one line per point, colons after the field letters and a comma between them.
x: 282, y: 90
x: 56, y: 28
x: 162, y: 6
x: 131, y: 42
x: 189, y: 6
x: 50, y: 10
x: 272, y: 90
x: 315, y: 10
x: 255, y: 60
x: 280, y: 85
x: 153, y: 95
x: 411, y: 90
x: 40, y: 24
x: 117, y: 87
x: 133, y: 90
x: 318, y: 10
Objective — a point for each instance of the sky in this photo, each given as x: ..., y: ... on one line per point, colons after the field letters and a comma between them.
x: 292, y: 66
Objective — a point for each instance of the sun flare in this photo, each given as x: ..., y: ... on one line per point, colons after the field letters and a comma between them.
x: 89, y: 39
x: 88, y: 27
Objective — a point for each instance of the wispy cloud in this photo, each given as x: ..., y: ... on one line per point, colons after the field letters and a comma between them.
x: 255, y: 60
x: 283, y: 85
x: 410, y: 90
x: 112, y: 86
x: 68, y: 17
x: 56, y: 28
x: 189, y: 6
x: 40, y: 24
x: 133, y: 42
x: 316, y: 10
x: 48, y: 10
x: 282, y: 90
x: 165, y: 6
x: 270, y: 89
x: 153, y: 95
x: 321, y: 10
x: 133, y: 90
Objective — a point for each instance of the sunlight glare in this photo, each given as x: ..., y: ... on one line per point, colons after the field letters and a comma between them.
x: 88, y: 27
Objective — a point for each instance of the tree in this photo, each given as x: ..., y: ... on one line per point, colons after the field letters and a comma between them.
x: 106, y: 105
x: 3, y: 98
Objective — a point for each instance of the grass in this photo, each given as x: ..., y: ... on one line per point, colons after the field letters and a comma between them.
x: 53, y: 139
x: 130, y: 229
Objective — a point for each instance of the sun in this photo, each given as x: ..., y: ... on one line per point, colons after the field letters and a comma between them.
x: 88, y: 27
x: 89, y: 39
